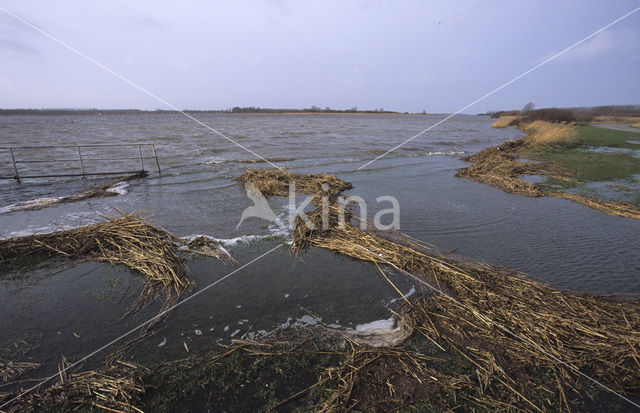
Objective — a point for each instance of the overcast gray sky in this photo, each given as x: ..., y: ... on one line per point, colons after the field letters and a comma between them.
x: 397, y: 55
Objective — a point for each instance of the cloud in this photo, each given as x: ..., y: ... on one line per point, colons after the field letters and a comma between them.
x: 15, y: 38
x: 607, y: 43
x: 16, y: 46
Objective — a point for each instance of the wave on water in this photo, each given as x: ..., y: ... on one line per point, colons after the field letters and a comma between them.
x: 275, y: 232
x: 119, y: 188
x: 79, y: 219
x: 31, y: 204
x: 218, y: 160
x: 230, y: 242
x: 440, y: 153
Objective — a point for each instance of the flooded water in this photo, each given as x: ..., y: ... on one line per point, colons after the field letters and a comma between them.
x: 73, y: 311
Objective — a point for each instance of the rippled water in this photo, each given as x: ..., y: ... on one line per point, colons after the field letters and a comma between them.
x: 559, y: 242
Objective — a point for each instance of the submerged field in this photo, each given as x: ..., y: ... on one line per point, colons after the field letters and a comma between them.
x: 602, y: 162
x: 595, y: 167
x: 215, y: 351
x: 477, y: 337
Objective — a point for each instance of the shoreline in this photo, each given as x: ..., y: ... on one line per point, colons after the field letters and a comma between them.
x: 503, y: 166
x: 447, y: 350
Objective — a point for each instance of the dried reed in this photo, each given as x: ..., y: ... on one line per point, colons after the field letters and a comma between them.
x: 549, y: 133
x: 503, y: 322
x: 114, y: 389
x: 503, y: 122
x: 500, y: 167
x: 274, y: 182
x: 126, y: 240
x: 11, y: 369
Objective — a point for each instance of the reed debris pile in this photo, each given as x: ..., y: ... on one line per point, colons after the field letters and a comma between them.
x: 274, y: 182
x: 127, y: 240
x: 501, y: 167
x: 506, y: 324
x: 204, y: 246
x: 115, y: 389
x: 11, y: 369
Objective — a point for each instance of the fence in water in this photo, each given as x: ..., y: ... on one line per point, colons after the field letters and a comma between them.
x: 24, y: 162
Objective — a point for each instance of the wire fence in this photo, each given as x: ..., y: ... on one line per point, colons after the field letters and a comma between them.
x: 24, y: 162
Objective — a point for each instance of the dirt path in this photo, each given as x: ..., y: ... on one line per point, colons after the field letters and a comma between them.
x: 616, y: 126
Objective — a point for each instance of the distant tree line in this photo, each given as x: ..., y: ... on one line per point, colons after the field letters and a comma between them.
x: 70, y: 111
x: 577, y: 114
x: 236, y: 109
x: 313, y: 109
x: 627, y: 110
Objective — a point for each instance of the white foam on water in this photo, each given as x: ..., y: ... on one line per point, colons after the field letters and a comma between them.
x: 229, y: 242
x: 306, y: 320
x: 253, y: 335
x: 286, y: 324
x: 443, y: 153
x: 379, y: 333
x: 378, y: 325
x: 235, y: 333
x: 119, y: 188
x: 214, y: 160
x: 31, y: 204
x: 31, y: 231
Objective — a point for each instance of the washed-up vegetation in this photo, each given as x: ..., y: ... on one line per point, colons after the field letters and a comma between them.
x: 274, y: 182
x: 127, y: 240
x: 563, y: 153
x: 11, y: 369
x: 116, y: 388
x: 512, y: 335
x: 481, y: 339
x: 111, y: 189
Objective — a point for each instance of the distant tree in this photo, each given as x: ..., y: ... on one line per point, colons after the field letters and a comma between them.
x: 528, y: 107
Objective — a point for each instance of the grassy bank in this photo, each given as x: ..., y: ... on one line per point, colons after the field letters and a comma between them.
x: 597, y: 167
x: 600, y: 162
